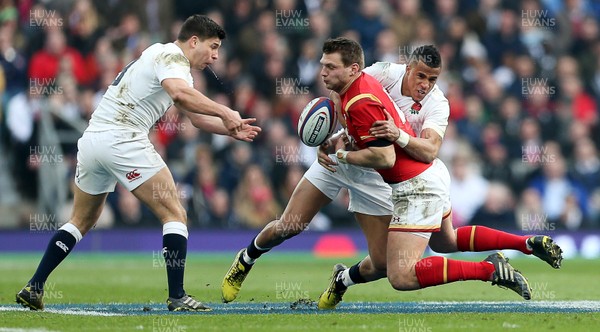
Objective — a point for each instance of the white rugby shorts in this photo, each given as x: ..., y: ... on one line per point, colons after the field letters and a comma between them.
x: 369, y: 194
x: 103, y: 158
x: 422, y: 202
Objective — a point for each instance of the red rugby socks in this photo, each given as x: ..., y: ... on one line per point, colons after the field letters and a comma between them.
x: 481, y: 238
x: 437, y: 270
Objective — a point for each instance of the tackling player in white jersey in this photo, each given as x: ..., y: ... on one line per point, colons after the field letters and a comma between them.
x: 412, y: 88
x: 115, y: 148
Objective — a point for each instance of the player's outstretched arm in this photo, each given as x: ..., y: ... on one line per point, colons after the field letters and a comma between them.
x: 214, y: 125
x: 189, y: 99
x: 424, y: 148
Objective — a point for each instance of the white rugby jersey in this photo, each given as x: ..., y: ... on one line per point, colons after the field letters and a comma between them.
x: 435, y: 109
x: 136, y: 100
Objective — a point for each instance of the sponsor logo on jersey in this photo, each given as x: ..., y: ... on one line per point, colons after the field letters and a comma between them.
x: 133, y: 175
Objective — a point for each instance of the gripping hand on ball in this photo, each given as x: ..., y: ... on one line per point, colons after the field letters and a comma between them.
x: 323, y: 153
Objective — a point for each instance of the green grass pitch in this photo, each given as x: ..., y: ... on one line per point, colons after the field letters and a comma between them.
x: 140, y: 280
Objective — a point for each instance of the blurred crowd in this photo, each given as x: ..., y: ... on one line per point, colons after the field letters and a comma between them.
x: 522, y: 79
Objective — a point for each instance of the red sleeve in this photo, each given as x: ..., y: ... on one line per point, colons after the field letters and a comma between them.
x: 362, y: 114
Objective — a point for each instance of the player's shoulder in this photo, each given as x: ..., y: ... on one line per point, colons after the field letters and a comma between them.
x: 386, y: 69
x: 366, y: 87
x: 168, y: 52
x: 154, y: 49
x: 361, y: 95
x: 438, y: 96
x: 437, y: 103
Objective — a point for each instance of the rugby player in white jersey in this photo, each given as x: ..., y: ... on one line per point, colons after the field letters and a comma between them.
x: 115, y: 148
x: 422, y: 213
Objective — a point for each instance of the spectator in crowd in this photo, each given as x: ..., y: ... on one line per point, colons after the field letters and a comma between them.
x: 23, y: 112
x: 530, y: 214
x: 496, y: 166
x: 497, y: 210
x: 581, y: 105
x: 219, y: 213
x: 237, y: 159
x: 367, y: 22
x: 308, y: 63
x: 468, y: 189
x: 128, y: 210
x: 254, y: 200
x: 505, y: 39
x: 510, y: 118
x: 14, y: 65
x: 386, y: 46
x: 405, y: 19
x: 45, y: 64
x: 84, y: 32
x: 563, y: 199
x: 472, y: 125
x: 585, y: 168
x: 531, y: 152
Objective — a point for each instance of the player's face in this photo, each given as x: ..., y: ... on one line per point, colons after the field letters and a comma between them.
x: 335, y: 76
x: 205, y: 52
x: 420, y: 80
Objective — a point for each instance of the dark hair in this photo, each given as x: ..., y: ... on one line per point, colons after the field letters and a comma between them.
x: 428, y: 54
x: 350, y: 50
x: 202, y: 27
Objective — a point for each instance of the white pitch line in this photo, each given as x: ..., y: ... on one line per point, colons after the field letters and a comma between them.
x: 581, y: 304
x: 14, y: 329
x: 80, y: 312
x: 125, y: 309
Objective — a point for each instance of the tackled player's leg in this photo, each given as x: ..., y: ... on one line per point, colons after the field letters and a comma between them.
x: 407, y: 272
x: 481, y: 238
x: 304, y: 204
x: 371, y: 268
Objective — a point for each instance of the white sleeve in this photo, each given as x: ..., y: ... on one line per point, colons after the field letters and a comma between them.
x: 172, y: 65
x: 437, y: 119
x: 383, y: 72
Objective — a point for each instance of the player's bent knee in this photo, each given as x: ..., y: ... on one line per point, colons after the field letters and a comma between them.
x: 402, y: 281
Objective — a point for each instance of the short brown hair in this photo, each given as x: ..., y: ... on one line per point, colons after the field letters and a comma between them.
x: 350, y: 50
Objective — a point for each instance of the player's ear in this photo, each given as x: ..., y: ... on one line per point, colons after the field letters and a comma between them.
x: 355, y: 68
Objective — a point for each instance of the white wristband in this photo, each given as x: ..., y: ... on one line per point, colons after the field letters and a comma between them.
x: 341, y: 156
x: 403, y: 138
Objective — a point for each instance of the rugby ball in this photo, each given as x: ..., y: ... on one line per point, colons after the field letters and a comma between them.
x: 317, y: 121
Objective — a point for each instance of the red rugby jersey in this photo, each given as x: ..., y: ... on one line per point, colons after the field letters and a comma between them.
x: 362, y: 104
